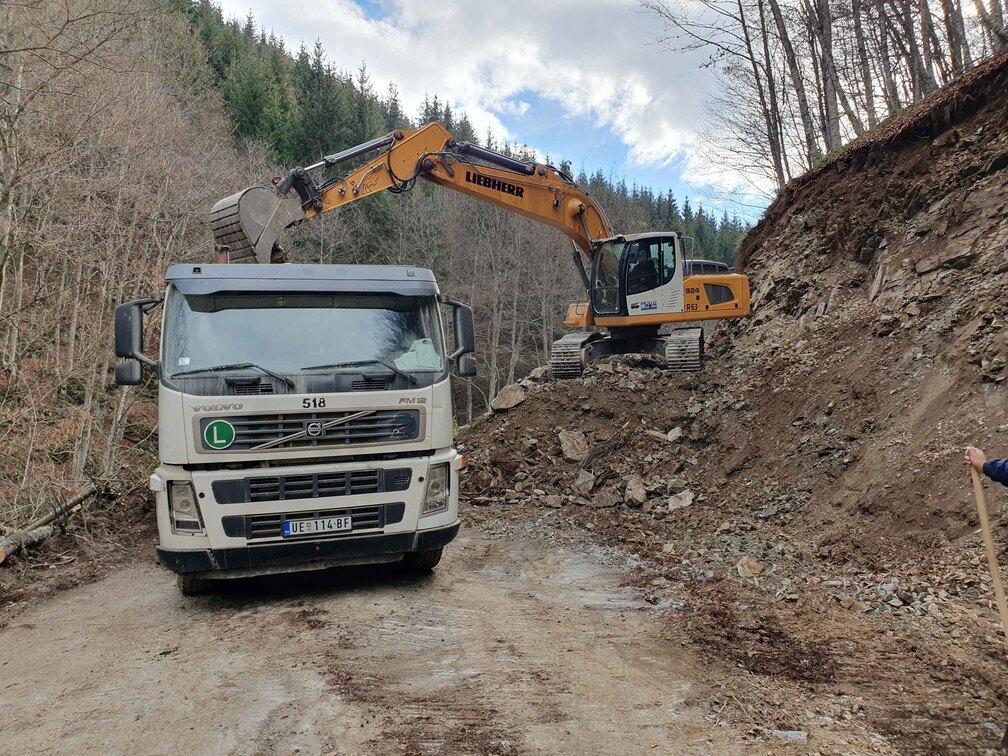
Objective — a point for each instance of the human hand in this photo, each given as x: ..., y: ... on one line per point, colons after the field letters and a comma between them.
x: 974, y: 458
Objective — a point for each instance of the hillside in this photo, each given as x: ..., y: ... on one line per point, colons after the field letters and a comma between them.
x: 822, y: 441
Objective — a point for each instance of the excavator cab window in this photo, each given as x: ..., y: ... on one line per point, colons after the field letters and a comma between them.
x: 668, y: 260
x: 605, y: 279
x: 643, y: 265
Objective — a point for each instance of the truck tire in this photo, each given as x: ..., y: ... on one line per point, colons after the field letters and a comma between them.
x: 190, y: 585
x: 423, y: 561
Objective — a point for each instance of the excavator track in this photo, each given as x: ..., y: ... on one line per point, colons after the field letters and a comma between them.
x: 684, y: 350
x: 566, y: 360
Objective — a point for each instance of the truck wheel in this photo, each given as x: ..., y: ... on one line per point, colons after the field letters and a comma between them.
x: 190, y: 585
x: 423, y: 561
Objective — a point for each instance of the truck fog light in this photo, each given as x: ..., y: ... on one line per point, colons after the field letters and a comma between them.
x: 436, y: 497
x: 182, y: 508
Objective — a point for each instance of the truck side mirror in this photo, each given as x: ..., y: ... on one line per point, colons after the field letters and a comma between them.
x: 466, y: 366
x: 129, y: 341
x: 129, y: 373
x: 465, y: 330
x: 129, y: 330
x: 465, y: 335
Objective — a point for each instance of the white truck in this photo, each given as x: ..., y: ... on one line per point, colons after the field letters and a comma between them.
x: 304, y: 417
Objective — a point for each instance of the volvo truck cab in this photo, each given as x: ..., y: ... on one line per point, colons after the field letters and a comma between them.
x: 304, y: 416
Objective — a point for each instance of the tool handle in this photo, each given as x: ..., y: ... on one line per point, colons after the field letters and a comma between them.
x: 995, y: 569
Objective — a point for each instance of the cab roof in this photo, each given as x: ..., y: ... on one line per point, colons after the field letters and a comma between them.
x: 649, y: 235
x: 210, y: 278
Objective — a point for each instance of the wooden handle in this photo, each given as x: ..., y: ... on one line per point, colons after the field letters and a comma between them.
x: 995, y: 569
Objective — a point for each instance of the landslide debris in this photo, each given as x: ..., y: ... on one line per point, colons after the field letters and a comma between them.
x: 800, y: 502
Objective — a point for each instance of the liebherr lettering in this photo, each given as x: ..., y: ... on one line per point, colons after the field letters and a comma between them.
x: 496, y: 184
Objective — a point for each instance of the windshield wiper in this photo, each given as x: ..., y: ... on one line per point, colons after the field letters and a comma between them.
x: 362, y: 363
x: 239, y: 366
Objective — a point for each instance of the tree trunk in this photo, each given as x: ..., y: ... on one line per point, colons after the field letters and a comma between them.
x: 960, y: 22
x: 772, y: 144
x: 993, y: 24
x: 17, y: 540
x: 776, y: 125
x: 824, y: 16
x: 952, y: 32
x: 867, y: 83
x: 893, y: 104
x: 931, y: 55
x: 922, y: 75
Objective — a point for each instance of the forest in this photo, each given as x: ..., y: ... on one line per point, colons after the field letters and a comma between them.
x: 121, y: 123
x: 798, y: 80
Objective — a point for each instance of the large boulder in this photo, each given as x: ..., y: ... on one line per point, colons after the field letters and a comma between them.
x: 574, y: 445
x: 635, y: 494
x: 584, y: 483
x: 509, y: 396
x: 680, y: 500
x: 606, y: 497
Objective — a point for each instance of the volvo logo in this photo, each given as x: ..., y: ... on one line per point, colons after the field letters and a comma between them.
x: 314, y: 429
x: 217, y: 407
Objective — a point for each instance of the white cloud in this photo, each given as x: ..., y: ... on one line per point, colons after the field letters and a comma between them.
x: 597, y: 59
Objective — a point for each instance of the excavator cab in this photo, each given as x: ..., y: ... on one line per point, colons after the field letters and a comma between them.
x: 637, y: 275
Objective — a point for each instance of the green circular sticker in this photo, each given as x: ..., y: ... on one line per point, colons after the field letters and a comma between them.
x: 219, y: 434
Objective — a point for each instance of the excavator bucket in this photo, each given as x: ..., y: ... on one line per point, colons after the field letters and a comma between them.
x: 247, y: 224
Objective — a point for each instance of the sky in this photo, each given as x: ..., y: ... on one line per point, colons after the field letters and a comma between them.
x: 577, y: 80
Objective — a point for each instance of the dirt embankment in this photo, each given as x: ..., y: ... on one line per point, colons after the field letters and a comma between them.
x: 803, y: 496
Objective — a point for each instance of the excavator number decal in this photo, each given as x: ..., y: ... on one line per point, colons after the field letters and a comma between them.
x: 692, y: 306
x: 313, y: 402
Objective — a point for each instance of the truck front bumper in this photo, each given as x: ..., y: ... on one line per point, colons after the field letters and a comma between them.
x: 262, y: 559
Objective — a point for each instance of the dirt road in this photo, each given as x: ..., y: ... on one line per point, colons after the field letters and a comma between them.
x: 510, y: 646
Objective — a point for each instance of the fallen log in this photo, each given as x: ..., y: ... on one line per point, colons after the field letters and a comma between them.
x: 59, y: 510
x: 41, y: 529
x: 13, y: 542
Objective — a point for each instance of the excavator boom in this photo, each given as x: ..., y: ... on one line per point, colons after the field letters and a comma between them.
x: 248, y: 223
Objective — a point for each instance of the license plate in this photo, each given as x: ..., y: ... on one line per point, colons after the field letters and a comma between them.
x: 318, y: 525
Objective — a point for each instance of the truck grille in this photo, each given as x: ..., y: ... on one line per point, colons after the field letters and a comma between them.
x: 255, y: 527
x: 313, y: 430
x: 293, y: 487
x: 370, y: 384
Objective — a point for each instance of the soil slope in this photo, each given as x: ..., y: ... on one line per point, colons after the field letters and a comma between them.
x: 803, y: 496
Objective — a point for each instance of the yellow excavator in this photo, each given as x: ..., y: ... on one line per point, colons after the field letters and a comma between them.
x: 635, y: 283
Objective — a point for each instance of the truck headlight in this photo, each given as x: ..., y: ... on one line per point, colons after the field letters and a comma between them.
x: 182, y: 508
x: 436, y: 497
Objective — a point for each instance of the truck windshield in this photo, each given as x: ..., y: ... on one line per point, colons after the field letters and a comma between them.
x: 301, y: 332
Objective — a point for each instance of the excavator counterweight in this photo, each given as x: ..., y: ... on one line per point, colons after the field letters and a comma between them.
x: 636, y: 284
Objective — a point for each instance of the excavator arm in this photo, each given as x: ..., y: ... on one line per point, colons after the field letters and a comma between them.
x: 247, y: 224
